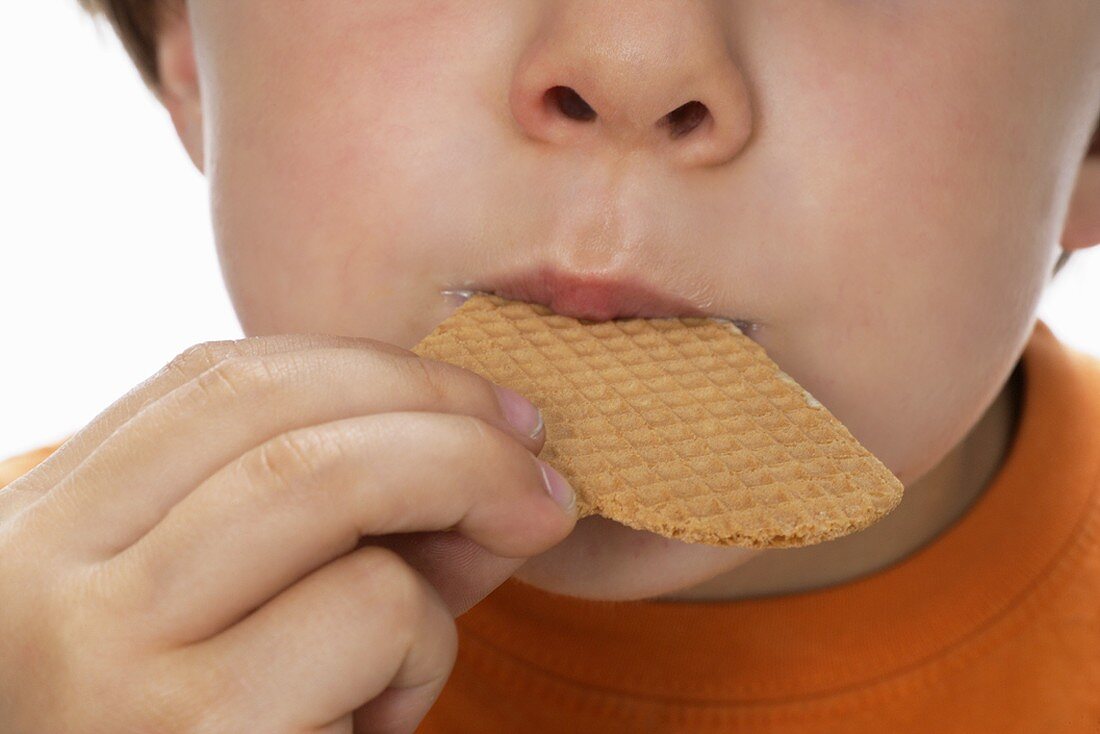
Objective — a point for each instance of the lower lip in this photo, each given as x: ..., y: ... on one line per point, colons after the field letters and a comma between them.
x: 459, y: 296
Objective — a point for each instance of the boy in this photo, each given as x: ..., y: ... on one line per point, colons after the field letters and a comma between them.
x: 277, y: 534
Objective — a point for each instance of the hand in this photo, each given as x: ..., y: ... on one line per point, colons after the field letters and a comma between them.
x: 202, y: 556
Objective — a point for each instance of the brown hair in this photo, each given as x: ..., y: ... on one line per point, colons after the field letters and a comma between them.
x: 135, y: 22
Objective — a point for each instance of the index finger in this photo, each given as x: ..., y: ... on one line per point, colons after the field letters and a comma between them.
x: 184, y: 367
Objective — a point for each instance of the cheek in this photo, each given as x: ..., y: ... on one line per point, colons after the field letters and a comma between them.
x: 339, y: 175
x: 341, y: 164
x: 923, y: 238
x: 909, y: 319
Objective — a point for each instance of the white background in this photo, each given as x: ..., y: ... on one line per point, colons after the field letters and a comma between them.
x: 107, y: 263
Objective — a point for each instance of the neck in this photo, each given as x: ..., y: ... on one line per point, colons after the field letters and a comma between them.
x: 928, y: 507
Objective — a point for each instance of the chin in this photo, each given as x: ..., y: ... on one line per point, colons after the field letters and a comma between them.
x: 607, y: 561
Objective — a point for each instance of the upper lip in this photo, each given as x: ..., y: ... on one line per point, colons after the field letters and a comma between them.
x: 590, y: 297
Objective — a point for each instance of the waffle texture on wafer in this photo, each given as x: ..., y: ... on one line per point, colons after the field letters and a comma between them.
x: 680, y: 426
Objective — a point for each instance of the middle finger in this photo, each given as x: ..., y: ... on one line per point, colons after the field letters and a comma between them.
x: 271, y: 517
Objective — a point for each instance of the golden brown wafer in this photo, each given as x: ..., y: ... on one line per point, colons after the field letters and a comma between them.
x: 681, y: 426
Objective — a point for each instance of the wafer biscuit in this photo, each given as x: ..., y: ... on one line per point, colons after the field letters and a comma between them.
x: 680, y: 426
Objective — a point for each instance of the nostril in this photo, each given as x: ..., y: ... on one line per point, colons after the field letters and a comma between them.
x: 685, y: 118
x: 570, y: 103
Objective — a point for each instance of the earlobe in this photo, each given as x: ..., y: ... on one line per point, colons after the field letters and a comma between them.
x: 179, y: 81
x: 1083, y: 220
x: 1082, y: 227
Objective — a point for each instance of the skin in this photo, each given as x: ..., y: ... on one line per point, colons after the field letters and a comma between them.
x: 177, y: 552
x: 882, y: 188
x: 363, y: 157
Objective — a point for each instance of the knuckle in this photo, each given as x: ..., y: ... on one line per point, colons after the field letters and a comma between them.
x: 290, y: 462
x: 476, y: 436
x: 504, y: 467
x: 431, y: 379
x: 198, y: 358
x: 235, y: 378
x: 396, y: 588
x: 272, y: 343
x: 445, y: 382
x: 477, y: 451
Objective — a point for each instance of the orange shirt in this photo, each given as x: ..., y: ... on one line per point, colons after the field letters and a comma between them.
x: 992, y: 627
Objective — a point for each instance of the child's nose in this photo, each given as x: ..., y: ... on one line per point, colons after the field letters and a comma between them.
x: 655, y: 76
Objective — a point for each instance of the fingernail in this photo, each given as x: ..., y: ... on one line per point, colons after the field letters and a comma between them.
x: 557, y: 487
x: 520, y: 412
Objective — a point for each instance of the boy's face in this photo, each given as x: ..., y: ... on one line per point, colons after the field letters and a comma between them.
x: 880, y: 186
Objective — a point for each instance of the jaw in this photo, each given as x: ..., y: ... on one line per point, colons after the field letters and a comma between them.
x: 605, y: 560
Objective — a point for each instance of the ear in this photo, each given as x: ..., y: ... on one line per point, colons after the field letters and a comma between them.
x: 179, y: 79
x: 1083, y: 220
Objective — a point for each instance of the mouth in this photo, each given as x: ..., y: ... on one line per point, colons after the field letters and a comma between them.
x: 593, y: 297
